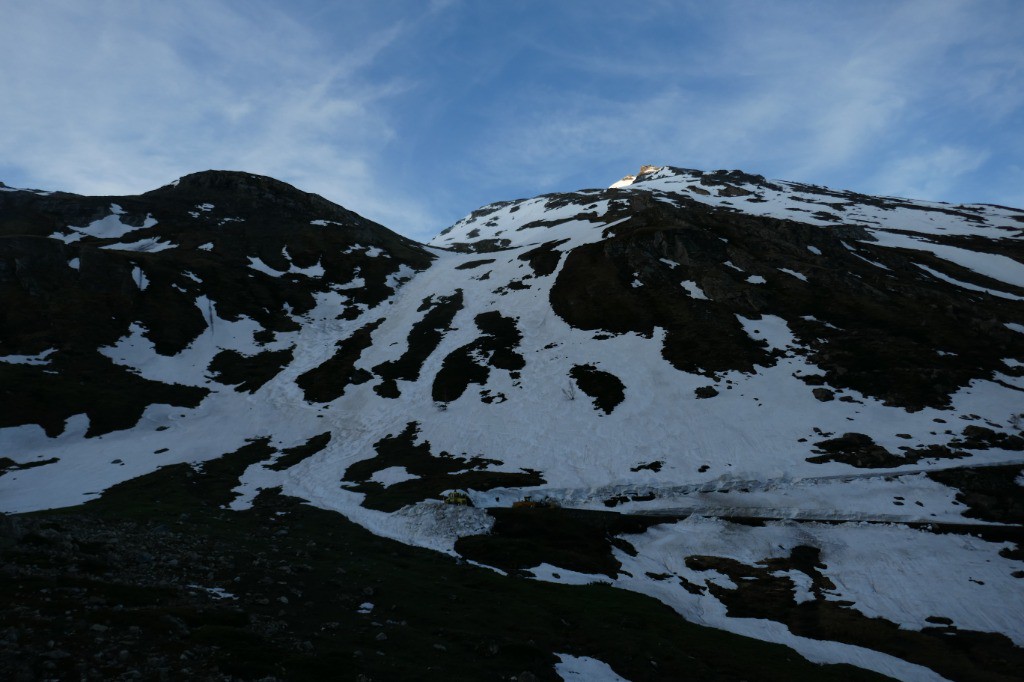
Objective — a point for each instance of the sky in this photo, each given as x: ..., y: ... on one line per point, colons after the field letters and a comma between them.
x: 415, y: 113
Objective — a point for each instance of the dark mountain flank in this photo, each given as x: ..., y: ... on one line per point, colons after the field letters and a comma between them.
x: 694, y: 425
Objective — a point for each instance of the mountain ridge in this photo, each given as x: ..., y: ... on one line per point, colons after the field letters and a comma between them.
x: 691, y: 348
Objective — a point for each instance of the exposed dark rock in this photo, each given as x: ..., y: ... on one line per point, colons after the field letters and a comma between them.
x: 764, y: 591
x: 544, y: 259
x: 496, y: 347
x: 292, y: 456
x: 423, y: 339
x: 605, y: 388
x: 823, y: 394
x: 434, y: 473
x: 328, y: 380
x: 248, y: 374
x: 705, y: 392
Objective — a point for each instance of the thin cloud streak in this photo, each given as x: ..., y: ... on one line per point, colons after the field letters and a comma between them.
x: 807, y: 97
x: 415, y: 114
x: 204, y: 86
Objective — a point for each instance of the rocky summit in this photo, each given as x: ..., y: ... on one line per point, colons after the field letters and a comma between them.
x: 696, y: 425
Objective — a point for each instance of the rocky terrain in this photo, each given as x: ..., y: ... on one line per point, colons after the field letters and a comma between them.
x: 739, y: 415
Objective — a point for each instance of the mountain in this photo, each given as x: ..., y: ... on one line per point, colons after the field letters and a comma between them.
x: 788, y: 413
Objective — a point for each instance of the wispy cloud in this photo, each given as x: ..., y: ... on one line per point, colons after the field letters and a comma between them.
x: 932, y: 174
x: 796, y: 90
x: 114, y: 97
x: 415, y: 113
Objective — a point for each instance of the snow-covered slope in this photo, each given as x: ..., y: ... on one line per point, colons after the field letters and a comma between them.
x: 792, y: 390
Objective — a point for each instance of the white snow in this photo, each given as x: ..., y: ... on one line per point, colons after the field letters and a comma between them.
x: 694, y: 290
x: 771, y: 329
x: 208, y: 246
x: 664, y: 549
x: 148, y: 245
x: 800, y: 276
x: 139, y: 277
x: 514, y: 218
x: 554, y: 574
x: 814, y: 249
x: 392, y: 475
x: 315, y: 270
x: 37, y: 359
x: 741, y: 453
x: 583, y: 668
x: 217, y: 592
x: 74, y: 263
x: 993, y: 266
x: 756, y: 279
x: 889, y: 571
x: 258, y: 265
x: 967, y: 285
x: 109, y: 227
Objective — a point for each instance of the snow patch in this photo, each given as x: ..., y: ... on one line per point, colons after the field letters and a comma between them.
x: 109, y: 227
x: 794, y: 273
x: 556, y: 574
x: 140, y: 279
x: 993, y: 266
x: 148, y: 245
x: 967, y: 285
x: 693, y: 290
x: 216, y: 592
x: 585, y: 669
x: 37, y: 359
x: 392, y: 475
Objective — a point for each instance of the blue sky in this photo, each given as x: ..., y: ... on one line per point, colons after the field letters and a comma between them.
x: 415, y: 113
